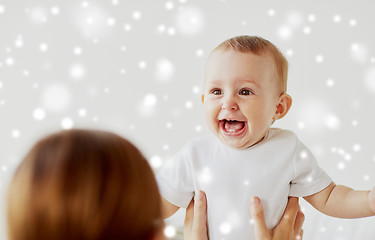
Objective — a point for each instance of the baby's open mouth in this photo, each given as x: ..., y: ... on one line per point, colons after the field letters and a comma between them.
x: 232, y: 127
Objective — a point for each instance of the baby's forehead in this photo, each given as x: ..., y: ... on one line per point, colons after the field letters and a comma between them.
x: 222, y: 53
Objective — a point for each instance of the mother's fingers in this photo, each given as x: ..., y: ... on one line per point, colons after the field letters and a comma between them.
x: 290, y: 212
x: 189, y: 217
x: 300, y: 218
x: 256, y: 211
x: 200, y: 208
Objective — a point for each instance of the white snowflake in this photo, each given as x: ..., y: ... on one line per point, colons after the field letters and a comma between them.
x: 156, y: 161
x: 284, y: 32
x: 319, y: 58
x: 164, y: 69
x: 39, y: 114
x: 137, y: 15
x: 19, y: 41
x: 9, y: 61
x: 55, y: 10
x: 341, y: 165
x: 56, y: 97
x: 225, y: 228
x: 16, y: 133
x: 82, y: 112
x: 271, y: 12
x: 127, y: 27
x: 142, y: 64
x: 337, y: 18
x: 190, y: 21
x: 169, y: 5
x: 353, y: 22
x: 77, y: 51
x: 43, y: 47
x: 370, y: 79
x: 170, y: 231
x: 147, y: 107
x: 111, y: 21
x: 359, y: 52
x: 77, y: 71
x: 357, y: 147
x: 199, y: 52
x: 67, y: 123
x: 311, y: 18
x: 330, y: 82
x: 38, y: 15
x: 189, y: 104
x: 198, y: 128
x: 332, y: 121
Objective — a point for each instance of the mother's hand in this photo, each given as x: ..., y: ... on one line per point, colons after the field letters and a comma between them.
x: 289, y: 227
x: 195, y: 225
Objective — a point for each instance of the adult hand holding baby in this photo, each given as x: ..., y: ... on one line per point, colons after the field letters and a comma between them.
x: 289, y: 227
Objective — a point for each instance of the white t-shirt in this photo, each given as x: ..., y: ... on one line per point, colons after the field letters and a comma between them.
x: 277, y: 167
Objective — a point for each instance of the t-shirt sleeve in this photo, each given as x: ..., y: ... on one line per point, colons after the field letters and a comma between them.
x: 309, y: 177
x: 175, y: 179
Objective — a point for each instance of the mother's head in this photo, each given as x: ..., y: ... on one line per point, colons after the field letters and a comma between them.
x: 82, y: 184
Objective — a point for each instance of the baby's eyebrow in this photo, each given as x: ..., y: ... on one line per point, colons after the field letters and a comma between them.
x: 250, y: 82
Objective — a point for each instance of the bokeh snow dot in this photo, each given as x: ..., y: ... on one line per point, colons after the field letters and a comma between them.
x: 358, y: 52
x: 67, y: 123
x: 294, y: 19
x: 156, y: 162
x: 82, y: 112
x: 56, y: 97
x: 39, y: 114
x: 147, y: 107
x: 170, y: 231
x: 92, y: 20
x: 77, y: 51
x: 16, y: 133
x: 43, y: 47
x: 284, y: 32
x: 370, y: 79
x: 225, y: 228
x: 190, y: 21
x: 332, y: 121
x: 150, y: 100
x: 38, y: 15
x: 55, y: 10
x: 77, y: 71
x: 164, y: 69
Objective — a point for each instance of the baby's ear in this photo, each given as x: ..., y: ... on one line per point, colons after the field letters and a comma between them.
x: 284, y: 104
x: 202, y: 98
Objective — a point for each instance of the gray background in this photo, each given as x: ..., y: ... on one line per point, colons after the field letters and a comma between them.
x: 136, y: 68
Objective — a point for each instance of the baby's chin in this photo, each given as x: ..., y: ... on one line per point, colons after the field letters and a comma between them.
x: 237, y: 143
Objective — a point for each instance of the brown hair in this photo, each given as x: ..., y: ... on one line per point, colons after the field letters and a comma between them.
x: 258, y: 45
x: 82, y: 184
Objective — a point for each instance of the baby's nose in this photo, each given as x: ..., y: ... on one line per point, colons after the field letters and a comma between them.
x: 229, y: 104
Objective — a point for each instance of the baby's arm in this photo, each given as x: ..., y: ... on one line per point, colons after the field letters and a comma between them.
x: 167, y: 208
x: 343, y: 202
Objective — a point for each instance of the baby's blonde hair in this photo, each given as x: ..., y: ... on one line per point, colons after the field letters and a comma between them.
x: 258, y: 45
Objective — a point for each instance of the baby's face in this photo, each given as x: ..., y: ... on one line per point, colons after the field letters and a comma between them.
x: 240, y: 96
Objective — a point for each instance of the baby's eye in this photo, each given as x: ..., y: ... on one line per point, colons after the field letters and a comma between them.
x: 245, y: 92
x: 216, y: 92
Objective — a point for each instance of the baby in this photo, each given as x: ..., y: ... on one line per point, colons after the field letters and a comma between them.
x: 244, y: 93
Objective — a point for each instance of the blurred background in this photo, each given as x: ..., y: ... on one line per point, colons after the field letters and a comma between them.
x: 136, y: 67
